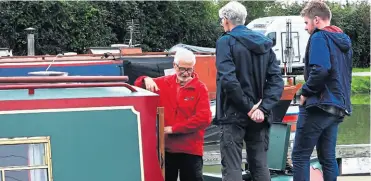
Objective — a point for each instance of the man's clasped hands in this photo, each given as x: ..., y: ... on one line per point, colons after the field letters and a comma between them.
x: 256, y: 114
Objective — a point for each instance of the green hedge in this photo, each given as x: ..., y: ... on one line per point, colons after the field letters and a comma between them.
x: 63, y: 26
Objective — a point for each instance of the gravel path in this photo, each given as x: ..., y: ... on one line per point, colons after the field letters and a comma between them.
x: 361, y: 73
x: 354, y: 178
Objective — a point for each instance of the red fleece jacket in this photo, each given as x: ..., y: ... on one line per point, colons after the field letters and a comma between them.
x: 187, y: 110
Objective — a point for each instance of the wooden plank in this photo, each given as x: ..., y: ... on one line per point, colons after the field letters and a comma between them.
x: 161, y: 122
x: 212, y: 153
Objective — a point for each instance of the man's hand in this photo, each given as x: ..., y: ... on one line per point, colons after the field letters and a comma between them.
x: 168, y: 130
x: 254, y: 108
x: 150, y: 84
x: 257, y: 116
x: 302, y: 100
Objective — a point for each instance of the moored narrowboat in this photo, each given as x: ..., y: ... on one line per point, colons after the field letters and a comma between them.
x: 95, y: 128
x: 90, y: 128
x: 131, y: 64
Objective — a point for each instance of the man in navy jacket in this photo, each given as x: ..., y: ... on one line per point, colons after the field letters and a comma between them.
x: 325, y: 97
x: 249, y: 85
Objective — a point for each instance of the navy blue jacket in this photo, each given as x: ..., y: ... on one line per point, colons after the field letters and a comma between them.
x: 247, y: 71
x: 328, y: 69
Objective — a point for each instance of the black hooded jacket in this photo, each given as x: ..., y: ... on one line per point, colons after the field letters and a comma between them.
x: 247, y: 71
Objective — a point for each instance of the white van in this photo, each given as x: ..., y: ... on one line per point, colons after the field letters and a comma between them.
x: 275, y: 27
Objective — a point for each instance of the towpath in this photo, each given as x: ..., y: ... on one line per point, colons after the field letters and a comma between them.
x: 354, y: 178
x: 361, y: 73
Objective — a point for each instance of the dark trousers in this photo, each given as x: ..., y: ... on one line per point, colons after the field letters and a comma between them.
x: 187, y: 166
x: 315, y: 127
x: 256, y: 137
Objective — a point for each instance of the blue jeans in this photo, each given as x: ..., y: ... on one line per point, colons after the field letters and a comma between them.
x: 315, y: 127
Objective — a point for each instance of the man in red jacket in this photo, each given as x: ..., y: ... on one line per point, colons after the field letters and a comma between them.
x: 187, y: 114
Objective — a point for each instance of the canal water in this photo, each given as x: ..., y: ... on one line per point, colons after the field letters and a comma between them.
x: 354, y: 130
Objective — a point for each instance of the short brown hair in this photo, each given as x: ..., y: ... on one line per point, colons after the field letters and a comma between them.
x: 316, y: 8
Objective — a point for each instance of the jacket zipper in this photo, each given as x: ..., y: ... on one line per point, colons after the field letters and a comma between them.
x: 177, y: 105
x: 177, y: 102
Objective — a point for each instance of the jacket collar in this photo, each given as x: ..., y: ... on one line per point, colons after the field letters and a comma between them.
x: 191, y: 84
x: 239, y: 28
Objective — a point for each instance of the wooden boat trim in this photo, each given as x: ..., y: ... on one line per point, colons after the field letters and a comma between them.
x: 30, y: 140
x: 161, y: 137
x: 105, y: 54
x: 24, y: 140
x: 88, y: 57
x: 290, y: 91
x: 31, y: 88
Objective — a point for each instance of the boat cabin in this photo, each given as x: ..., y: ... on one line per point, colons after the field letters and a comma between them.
x: 57, y: 128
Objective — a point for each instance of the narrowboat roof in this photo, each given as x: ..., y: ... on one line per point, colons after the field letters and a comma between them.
x: 69, y: 93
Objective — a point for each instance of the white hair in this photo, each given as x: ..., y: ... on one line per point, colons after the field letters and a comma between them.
x: 184, y: 55
x: 235, y: 12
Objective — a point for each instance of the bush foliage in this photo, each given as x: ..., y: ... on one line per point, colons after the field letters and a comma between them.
x: 63, y: 26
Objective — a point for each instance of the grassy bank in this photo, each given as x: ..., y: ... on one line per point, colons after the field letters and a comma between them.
x: 360, y: 84
x: 361, y: 70
x: 361, y: 99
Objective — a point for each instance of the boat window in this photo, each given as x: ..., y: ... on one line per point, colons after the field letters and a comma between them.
x: 260, y: 31
x: 272, y: 36
x: 25, y: 159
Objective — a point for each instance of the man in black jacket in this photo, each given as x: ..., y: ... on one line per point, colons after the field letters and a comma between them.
x: 249, y: 85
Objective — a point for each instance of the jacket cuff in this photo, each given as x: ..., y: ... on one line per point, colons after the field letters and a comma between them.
x: 176, y: 129
x: 265, y: 111
x: 139, y: 82
x: 304, y: 91
x: 248, y: 105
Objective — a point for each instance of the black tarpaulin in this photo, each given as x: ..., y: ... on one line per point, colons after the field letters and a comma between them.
x: 147, y: 66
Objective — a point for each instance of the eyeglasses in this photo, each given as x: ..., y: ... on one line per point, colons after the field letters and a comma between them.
x: 183, y: 69
x: 220, y: 21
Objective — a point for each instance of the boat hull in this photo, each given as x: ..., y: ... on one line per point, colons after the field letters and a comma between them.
x: 93, y: 133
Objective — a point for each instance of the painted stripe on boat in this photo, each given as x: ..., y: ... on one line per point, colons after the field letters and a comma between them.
x: 56, y: 64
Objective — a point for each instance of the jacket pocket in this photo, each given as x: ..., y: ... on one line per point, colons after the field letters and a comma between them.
x: 187, y: 103
x: 231, y: 135
x: 257, y: 135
